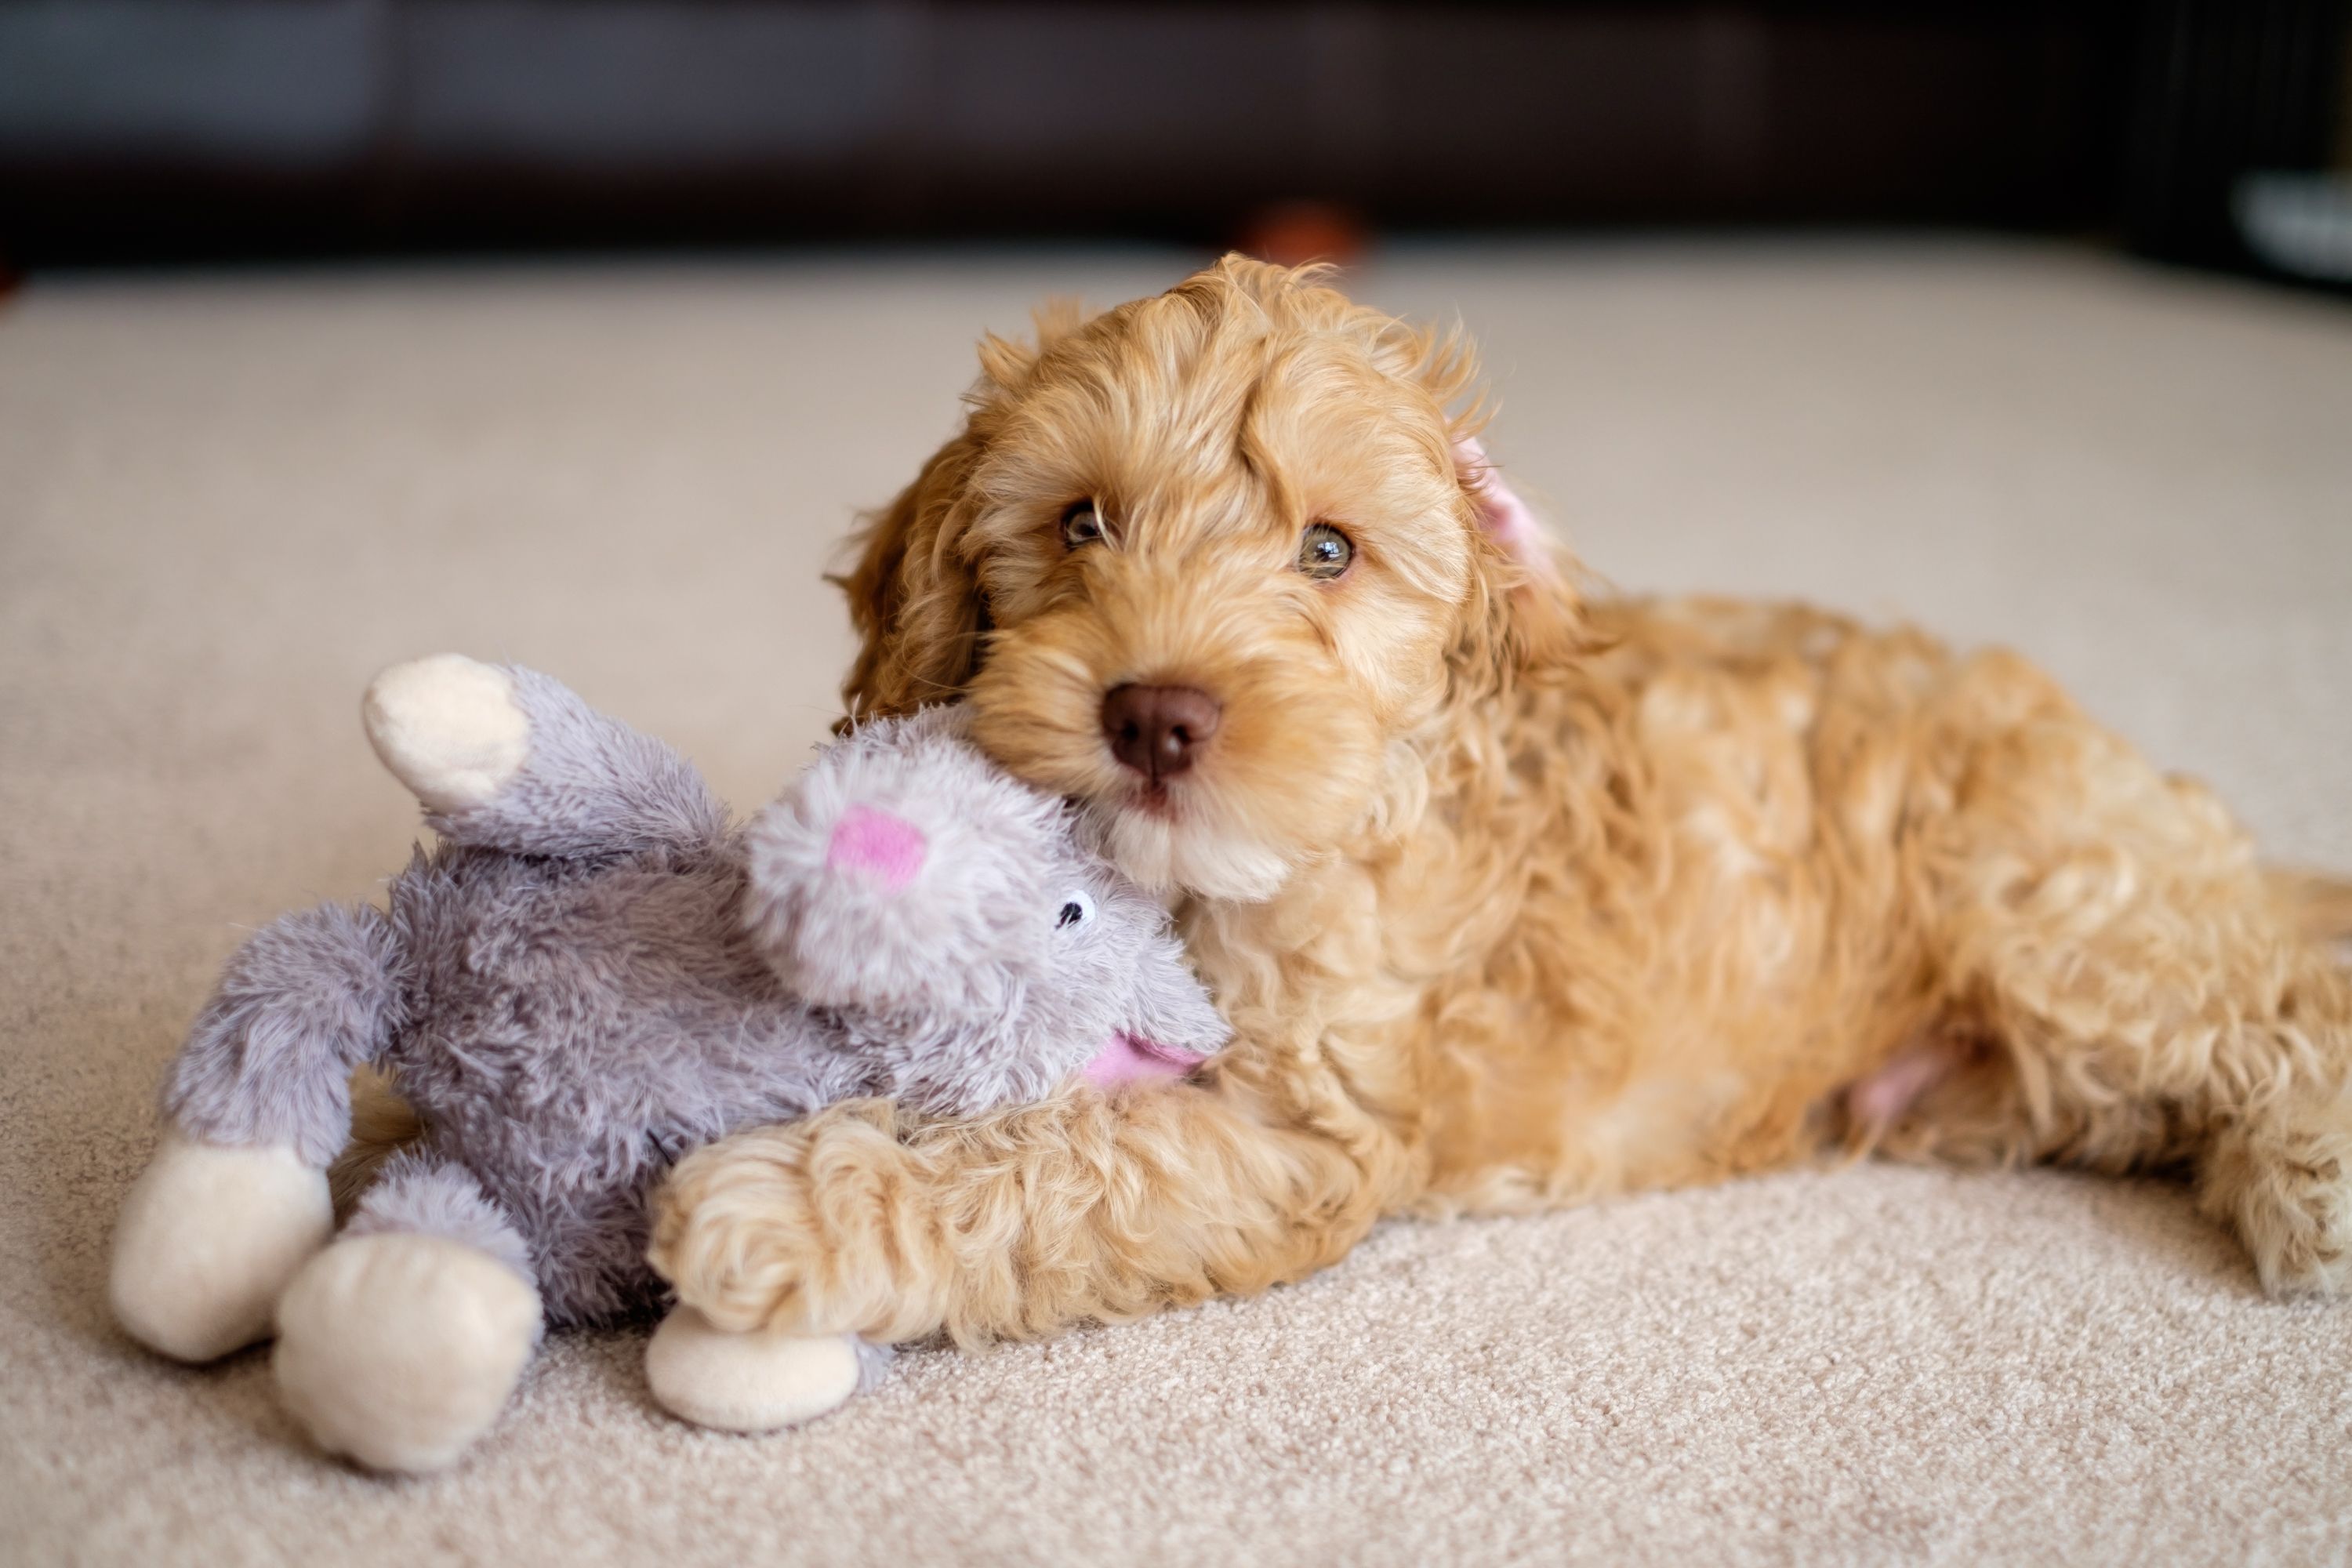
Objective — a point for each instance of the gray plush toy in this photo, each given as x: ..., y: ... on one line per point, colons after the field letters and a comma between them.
x: 593, y: 973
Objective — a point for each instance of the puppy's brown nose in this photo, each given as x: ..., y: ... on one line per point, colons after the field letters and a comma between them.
x: 1158, y: 731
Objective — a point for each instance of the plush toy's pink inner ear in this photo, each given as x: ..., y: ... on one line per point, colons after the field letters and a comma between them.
x: 1509, y: 520
x: 888, y: 848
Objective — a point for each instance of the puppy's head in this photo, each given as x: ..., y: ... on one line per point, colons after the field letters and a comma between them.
x: 1217, y: 565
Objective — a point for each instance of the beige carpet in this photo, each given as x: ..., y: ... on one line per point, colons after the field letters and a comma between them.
x: 224, y: 502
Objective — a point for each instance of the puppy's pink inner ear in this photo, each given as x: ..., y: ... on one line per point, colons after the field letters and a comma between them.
x: 890, y: 849
x: 1510, y: 521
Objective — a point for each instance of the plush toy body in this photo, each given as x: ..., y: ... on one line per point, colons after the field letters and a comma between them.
x: 593, y: 973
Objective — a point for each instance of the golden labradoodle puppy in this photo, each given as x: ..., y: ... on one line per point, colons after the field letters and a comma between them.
x: 1513, y: 898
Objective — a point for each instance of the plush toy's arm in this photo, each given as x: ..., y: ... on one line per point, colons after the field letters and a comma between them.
x: 269, y: 1060
x: 507, y: 758
x: 1011, y: 1225
x: 256, y: 1105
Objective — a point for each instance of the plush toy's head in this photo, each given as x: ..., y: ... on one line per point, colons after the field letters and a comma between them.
x: 906, y: 879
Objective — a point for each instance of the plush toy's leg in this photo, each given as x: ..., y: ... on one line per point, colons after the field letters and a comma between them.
x: 448, y: 728
x: 755, y: 1382
x: 508, y: 759
x: 208, y: 1238
x: 400, y: 1344
x: 256, y: 1105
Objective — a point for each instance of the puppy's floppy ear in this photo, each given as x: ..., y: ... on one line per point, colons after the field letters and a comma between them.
x: 1525, y: 615
x: 1511, y: 524
x: 913, y: 595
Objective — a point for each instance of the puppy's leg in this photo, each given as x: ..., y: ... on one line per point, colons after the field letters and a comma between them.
x: 2144, y: 998
x: 2228, y: 1057
x: 1014, y: 1225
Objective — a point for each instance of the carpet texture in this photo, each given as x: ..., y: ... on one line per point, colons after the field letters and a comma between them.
x: 225, y: 502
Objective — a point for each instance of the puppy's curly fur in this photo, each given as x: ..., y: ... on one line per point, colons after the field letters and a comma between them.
x: 1514, y: 898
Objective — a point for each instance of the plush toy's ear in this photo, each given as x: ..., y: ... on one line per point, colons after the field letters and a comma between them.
x: 894, y: 873
x: 1171, y: 1010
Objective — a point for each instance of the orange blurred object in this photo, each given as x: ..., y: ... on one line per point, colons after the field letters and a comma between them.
x: 1291, y: 233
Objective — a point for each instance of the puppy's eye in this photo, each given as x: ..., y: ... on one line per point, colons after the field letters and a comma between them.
x: 1082, y: 523
x: 1078, y: 909
x: 1324, y: 552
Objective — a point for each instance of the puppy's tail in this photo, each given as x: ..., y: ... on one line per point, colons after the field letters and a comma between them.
x: 2320, y: 905
x: 383, y: 1124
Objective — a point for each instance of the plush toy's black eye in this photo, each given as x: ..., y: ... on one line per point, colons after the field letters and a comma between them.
x: 1324, y: 552
x: 1082, y: 523
x: 1077, y: 909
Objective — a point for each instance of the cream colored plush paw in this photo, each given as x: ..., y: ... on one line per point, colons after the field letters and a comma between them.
x: 399, y: 1349
x: 209, y: 1237
x: 746, y: 1383
x: 448, y: 728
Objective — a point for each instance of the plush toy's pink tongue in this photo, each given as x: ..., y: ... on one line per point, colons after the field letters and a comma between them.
x: 1128, y: 1060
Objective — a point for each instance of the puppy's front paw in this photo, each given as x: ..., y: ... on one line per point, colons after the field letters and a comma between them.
x: 747, y: 1383
x: 801, y: 1229
x: 399, y: 1350
x: 209, y: 1237
x: 448, y: 728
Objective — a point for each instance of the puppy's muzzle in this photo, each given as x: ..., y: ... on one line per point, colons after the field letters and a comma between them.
x: 1159, y: 730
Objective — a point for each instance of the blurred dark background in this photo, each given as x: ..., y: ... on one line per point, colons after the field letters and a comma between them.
x: 163, y: 131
